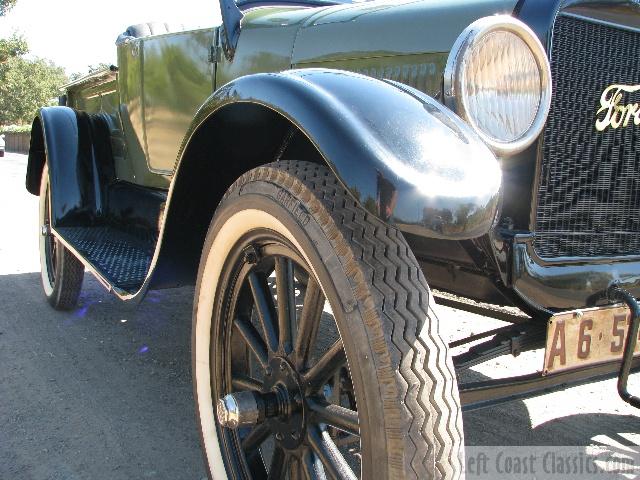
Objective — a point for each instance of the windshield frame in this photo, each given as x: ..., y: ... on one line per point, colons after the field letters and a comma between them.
x: 247, y: 4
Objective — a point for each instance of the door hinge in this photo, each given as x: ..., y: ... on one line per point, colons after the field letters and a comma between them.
x: 214, y: 54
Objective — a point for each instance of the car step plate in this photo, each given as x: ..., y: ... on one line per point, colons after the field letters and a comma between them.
x: 585, y: 337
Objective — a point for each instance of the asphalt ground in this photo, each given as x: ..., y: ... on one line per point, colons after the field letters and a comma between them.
x: 104, y: 392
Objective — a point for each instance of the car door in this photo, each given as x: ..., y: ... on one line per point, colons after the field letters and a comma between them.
x: 177, y: 77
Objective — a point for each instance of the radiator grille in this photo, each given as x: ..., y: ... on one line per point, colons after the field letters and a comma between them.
x: 587, y: 200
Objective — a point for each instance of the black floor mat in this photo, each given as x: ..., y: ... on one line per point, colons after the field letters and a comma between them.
x: 120, y: 257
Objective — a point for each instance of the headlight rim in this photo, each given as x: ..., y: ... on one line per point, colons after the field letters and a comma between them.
x: 453, y: 75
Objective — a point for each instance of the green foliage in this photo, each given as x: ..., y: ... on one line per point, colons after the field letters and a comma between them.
x: 6, y: 5
x: 16, y: 129
x: 14, y: 46
x: 26, y: 85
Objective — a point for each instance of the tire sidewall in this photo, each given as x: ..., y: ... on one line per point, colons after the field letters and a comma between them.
x: 48, y: 286
x: 263, y: 204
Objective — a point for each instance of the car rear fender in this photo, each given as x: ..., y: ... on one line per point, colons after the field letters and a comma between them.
x: 76, y: 147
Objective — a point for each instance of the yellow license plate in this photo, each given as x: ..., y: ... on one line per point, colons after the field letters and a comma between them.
x: 585, y: 337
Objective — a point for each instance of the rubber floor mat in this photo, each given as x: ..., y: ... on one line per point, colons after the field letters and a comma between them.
x: 120, y: 257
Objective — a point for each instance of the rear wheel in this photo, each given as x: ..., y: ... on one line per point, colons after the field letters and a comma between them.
x: 316, y: 352
x: 61, y: 271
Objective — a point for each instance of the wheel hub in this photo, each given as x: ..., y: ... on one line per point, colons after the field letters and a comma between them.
x: 288, y: 428
x: 281, y: 405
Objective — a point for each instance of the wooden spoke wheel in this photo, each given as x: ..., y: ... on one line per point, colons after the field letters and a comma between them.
x: 316, y: 352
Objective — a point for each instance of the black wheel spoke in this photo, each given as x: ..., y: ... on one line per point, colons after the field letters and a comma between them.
x: 309, y: 323
x: 264, y: 306
x: 256, y: 437
x: 332, y: 360
x: 279, y: 464
x: 253, y: 339
x: 256, y: 464
x: 335, y: 415
x: 329, y: 455
x: 312, y: 466
x: 242, y: 382
x: 285, y: 289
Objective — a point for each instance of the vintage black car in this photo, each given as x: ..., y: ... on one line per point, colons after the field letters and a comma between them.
x: 314, y: 167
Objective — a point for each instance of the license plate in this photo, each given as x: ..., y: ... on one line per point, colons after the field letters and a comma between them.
x: 585, y: 337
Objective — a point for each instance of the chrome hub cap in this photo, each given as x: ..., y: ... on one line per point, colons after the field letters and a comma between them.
x: 280, y: 404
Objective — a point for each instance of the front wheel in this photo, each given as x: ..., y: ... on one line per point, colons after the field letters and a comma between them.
x: 316, y: 351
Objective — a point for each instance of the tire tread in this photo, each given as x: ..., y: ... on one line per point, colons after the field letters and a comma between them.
x: 68, y: 283
x: 397, y: 308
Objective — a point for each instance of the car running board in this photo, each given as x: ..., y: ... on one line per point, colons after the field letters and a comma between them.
x: 121, y: 258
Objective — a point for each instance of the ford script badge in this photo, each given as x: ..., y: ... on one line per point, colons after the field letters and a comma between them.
x: 616, y: 113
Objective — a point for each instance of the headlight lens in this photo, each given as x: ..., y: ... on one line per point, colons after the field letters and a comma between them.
x: 501, y: 86
x: 498, y: 80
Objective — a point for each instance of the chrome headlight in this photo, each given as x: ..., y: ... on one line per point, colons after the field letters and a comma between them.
x: 498, y: 79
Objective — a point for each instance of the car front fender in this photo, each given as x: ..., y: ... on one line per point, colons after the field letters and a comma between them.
x: 404, y: 156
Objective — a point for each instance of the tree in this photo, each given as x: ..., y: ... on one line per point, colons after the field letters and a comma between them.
x: 26, y: 85
x: 6, y: 5
x: 14, y: 46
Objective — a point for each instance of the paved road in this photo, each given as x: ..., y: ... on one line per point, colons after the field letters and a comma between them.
x: 104, y: 392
